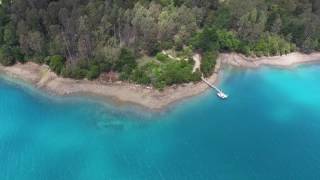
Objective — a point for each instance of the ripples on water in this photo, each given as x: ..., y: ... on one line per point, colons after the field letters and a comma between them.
x: 269, y: 129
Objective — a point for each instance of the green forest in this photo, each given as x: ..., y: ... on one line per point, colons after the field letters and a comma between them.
x: 84, y: 38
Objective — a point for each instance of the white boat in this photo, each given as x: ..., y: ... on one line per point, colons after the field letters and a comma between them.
x: 222, y: 95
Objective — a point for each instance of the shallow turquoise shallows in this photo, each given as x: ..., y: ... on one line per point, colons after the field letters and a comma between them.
x: 269, y: 129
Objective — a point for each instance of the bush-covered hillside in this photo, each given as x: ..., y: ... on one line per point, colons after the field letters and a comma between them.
x: 82, y: 38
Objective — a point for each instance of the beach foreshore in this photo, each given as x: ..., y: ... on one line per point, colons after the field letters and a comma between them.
x: 41, y: 77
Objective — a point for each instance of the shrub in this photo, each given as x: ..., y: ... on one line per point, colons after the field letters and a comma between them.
x: 208, y: 63
x: 66, y: 72
x: 165, y: 74
x: 105, y: 66
x: 166, y: 45
x: 6, y: 59
x: 207, y: 40
x: 56, y: 63
x: 177, y: 72
x: 126, y: 61
x: 196, y: 76
x: 140, y: 76
x: 228, y: 40
x: 79, y: 73
x: 159, y: 85
x: 245, y: 49
x: 270, y: 44
x: 162, y: 57
x: 93, y: 72
x: 18, y: 56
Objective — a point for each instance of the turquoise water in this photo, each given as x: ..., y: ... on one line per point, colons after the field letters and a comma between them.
x: 269, y: 129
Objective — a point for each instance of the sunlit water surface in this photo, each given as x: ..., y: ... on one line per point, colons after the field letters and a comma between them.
x: 269, y: 129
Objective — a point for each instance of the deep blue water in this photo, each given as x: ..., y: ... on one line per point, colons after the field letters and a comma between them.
x: 269, y: 129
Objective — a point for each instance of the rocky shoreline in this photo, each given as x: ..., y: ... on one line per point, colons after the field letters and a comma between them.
x: 41, y: 77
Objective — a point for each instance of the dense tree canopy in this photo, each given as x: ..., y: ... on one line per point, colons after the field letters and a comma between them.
x: 94, y: 36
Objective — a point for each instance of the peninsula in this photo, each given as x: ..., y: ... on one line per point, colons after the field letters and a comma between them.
x: 41, y: 76
x: 151, y: 52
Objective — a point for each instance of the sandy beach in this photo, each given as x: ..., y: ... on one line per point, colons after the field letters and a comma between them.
x: 283, y: 61
x: 41, y: 77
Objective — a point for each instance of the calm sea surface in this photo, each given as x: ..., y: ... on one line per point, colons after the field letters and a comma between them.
x: 269, y: 129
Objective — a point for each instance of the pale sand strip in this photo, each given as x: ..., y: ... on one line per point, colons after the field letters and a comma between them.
x: 284, y: 61
x: 41, y: 77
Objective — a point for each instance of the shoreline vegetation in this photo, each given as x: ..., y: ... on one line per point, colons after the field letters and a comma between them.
x: 42, y: 77
x: 127, y: 49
